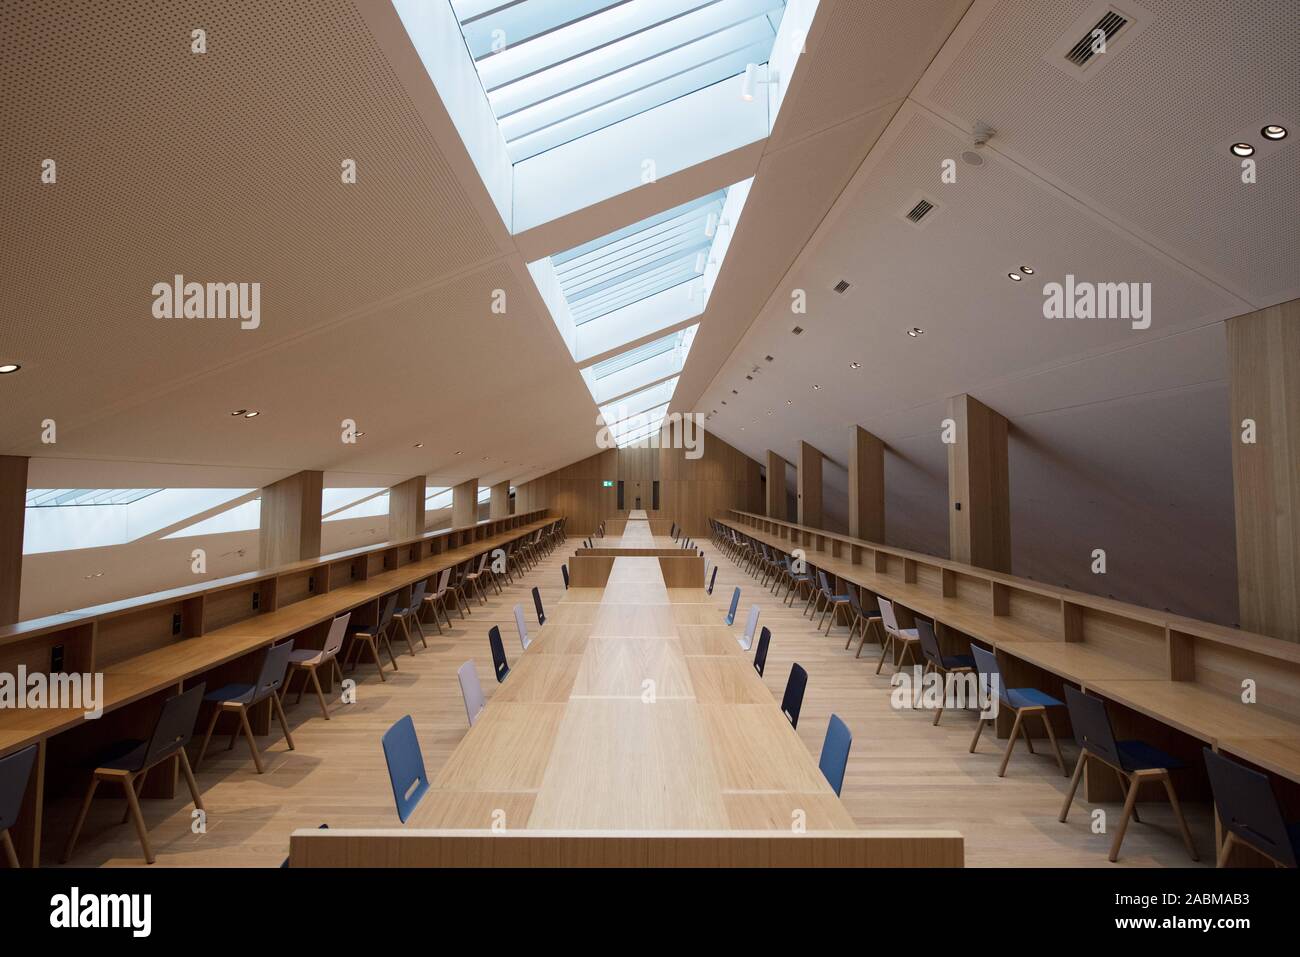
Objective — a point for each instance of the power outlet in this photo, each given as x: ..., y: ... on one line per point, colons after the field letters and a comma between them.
x: 176, y: 623
x: 56, y: 660
x: 257, y: 600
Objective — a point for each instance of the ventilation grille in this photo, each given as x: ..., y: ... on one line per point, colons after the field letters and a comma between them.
x: 797, y: 330
x: 1084, y: 50
x: 920, y: 210
x: 841, y: 287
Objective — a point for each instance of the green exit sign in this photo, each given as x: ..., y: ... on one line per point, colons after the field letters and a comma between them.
x: 607, y: 484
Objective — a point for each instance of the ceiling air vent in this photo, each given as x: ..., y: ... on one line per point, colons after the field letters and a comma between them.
x: 920, y: 210
x: 767, y: 358
x: 1093, y: 40
x: 797, y: 330
x: 841, y: 287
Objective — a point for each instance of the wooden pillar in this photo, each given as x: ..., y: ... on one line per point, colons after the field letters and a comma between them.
x: 1264, y: 383
x: 499, y: 504
x: 775, y: 506
x: 464, y: 504
x: 406, y: 509
x: 979, y: 493
x: 810, y: 486
x: 13, y: 512
x: 290, y: 526
x: 866, y: 485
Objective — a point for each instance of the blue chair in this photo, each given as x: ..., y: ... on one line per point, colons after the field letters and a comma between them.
x: 937, y: 661
x: 861, y: 619
x: 405, y: 766
x: 127, y: 763
x: 238, y: 697
x: 831, y: 603
x: 796, y: 582
x: 735, y: 603
x: 15, y: 772
x: 499, y: 663
x: 760, y: 653
x: 1135, y: 762
x: 1022, y: 701
x: 537, y: 603
x: 712, y: 579
x: 564, y: 570
x: 835, y: 752
x: 1249, y: 812
x: 792, y: 700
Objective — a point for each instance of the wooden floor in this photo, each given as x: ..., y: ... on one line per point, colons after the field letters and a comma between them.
x: 902, y: 772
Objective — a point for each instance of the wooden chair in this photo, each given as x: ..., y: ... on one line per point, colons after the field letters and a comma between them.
x: 478, y: 576
x: 460, y: 589
x: 1249, y: 812
x: 522, y: 627
x: 128, y: 763
x: 746, y: 641
x: 15, y: 773
x: 370, y: 637
x: 862, y: 620
x: 937, y: 661
x: 1022, y: 701
x: 831, y: 603
x: 307, y: 660
x: 1135, y: 762
x: 471, y: 691
x: 238, y: 697
x: 438, y: 600
x: 411, y: 612
x: 894, y: 636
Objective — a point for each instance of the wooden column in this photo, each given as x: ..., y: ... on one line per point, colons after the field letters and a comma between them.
x: 499, y: 504
x: 406, y: 509
x: 290, y: 526
x: 464, y: 503
x: 775, y: 506
x: 1264, y: 382
x: 13, y: 511
x: 979, y: 496
x: 866, y: 485
x: 810, y: 486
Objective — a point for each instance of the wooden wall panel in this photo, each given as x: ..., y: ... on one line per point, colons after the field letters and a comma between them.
x: 810, y: 486
x: 979, y: 489
x: 775, y: 491
x: 464, y: 503
x: 289, y: 530
x: 866, y: 485
x: 13, y: 511
x: 499, y: 503
x: 406, y: 509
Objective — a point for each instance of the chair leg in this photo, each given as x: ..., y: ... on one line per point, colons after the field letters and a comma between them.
x: 320, y: 695
x: 1024, y: 730
x: 81, y: 819
x: 1178, y: 813
x: 1074, y: 785
x: 419, y: 628
x: 203, y: 748
x: 884, y: 648
x: 1225, y: 852
x: 939, y: 711
x: 1129, y: 803
x: 11, y: 855
x: 252, y: 741
x: 979, y: 727
x: 133, y: 806
x: 139, y: 789
x: 389, y: 645
x: 1123, y: 785
x: 189, y: 779
x: 406, y: 632
x: 284, y: 722
x: 1060, y: 759
x: 1011, y: 746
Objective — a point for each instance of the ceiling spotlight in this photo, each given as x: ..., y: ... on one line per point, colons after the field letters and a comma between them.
x: 769, y: 411
x: 914, y: 332
x: 239, y: 412
x: 359, y: 434
x: 711, y: 225
x: 855, y: 365
x: 9, y: 367
x: 1242, y: 149
x: 756, y: 75
x: 1026, y: 270
x: 816, y: 387
x: 1273, y: 132
x: 252, y: 414
x: 1015, y: 276
x: 789, y: 402
x: 419, y: 445
x: 462, y: 453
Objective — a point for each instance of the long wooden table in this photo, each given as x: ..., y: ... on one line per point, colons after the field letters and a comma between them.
x: 620, y: 719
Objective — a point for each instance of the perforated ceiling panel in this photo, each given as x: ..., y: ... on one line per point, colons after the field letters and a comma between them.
x: 221, y: 166
x: 1146, y: 138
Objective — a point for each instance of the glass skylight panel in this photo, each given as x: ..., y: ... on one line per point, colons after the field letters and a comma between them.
x: 639, y: 422
x: 556, y: 71
x: 437, y: 497
x: 60, y: 519
x: 57, y: 497
x: 639, y: 367
x: 368, y: 507
x: 639, y: 401
x: 335, y: 499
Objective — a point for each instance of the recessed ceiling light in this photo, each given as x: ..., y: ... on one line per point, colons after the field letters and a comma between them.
x: 419, y: 445
x: 769, y: 411
x: 253, y: 413
x: 1015, y: 276
x: 855, y: 365
x: 359, y: 434
x: 1273, y: 132
x: 1027, y: 270
x: 816, y: 387
x: 789, y: 402
x: 239, y: 412
x: 9, y: 367
x: 462, y: 453
x: 1242, y: 149
x: 915, y: 331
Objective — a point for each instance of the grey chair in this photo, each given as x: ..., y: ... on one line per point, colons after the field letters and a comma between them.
x: 238, y: 697
x: 1250, y: 813
x: 15, y: 772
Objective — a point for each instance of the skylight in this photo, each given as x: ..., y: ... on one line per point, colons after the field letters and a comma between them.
x: 640, y: 366
x: 557, y: 71
x: 63, y: 519
x: 58, y: 497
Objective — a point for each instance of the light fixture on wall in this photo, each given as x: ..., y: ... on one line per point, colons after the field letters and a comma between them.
x: 756, y: 75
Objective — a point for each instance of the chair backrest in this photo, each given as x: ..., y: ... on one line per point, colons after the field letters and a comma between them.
x: 735, y: 603
x: 835, y: 752
x: 792, y: 700
x: 273, y: 668
x: 712, y: 579
x: 929, y: 642
x: 986, y: 664
x: 1092, y: 728
x: 15, y: 772
x: 537, y: 604
x: 405, y: 766
x: 482, y: 562
x: 887, y: 615
x: 442, y: 581
x: 499, y: 663
x: 751, y: 626
x: 823, y: 583
x: 175, y: 724
x: 471, y: 691
x: 855, y: 601
x: 417, y: 594
x: 522, y: 626
x: 338, y: 631
x: 386, y: 616
x: 760, y: 653
x: 1248, y: 807
x: 564, y: 570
